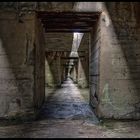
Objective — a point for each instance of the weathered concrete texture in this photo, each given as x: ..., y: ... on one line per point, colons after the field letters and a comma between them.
x: 55, y: 6
x: 84, y: 44
x: 21, y: 65
x: 53, y: 68
x: 41, y: 6
x: 57, y: 45
x: 119, y: 62
x: 83, y: 67
x: 88, y: 6
x: 118, y: 93
x: 95, y: 44
x: 16, y: 65
x: 58, y: 41
x: 49, y: 80
x: 22, y: 72
x: 58, y: 48
x: 83, y: 62
x: 74, y: 74
x: 39, y: 71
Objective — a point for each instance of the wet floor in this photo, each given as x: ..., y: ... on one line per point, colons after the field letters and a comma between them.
x: 67, y: 103
x: 67, y: 114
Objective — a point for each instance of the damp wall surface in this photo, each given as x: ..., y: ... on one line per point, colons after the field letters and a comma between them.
x: 21, y: 73
x: 119, y: 61
x: 22, y: 62
x: 16, y: 65
x: 39, y: 65
x: 118, y: 95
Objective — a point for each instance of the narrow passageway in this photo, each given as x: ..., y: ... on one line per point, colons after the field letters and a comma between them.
x: 95, y: 45
x: 67, y: 103
x: 67, y: 114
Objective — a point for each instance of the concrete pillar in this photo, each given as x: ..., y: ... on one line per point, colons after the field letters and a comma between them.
x: 82, y: 81
x: 49, y: 80
x: 74, y: 75
x: 53, y: 69
x: 58, y: 62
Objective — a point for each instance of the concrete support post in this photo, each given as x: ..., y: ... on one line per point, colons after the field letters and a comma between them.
x: 74, y: 74
x: 58, y: 63
x: 82, y: 81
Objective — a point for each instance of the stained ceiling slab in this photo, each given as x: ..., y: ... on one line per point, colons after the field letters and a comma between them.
x: 68, y: 21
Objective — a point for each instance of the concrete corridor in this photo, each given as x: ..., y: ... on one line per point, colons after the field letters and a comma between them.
x: 67, y: 114
x: 97, y: 44
x: 67, y: 103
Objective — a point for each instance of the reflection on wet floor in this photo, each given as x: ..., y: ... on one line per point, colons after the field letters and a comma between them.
x: 67, y: 103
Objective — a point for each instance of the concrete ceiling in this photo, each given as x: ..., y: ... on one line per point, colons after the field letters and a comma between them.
x: 41, y: 6
x: 60, y: 23
x: 63, y: 41
x: 56, y: 6
x: 68, y: 21
x: 59, y: 41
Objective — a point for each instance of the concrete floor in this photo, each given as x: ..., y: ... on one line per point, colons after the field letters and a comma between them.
x: 66, y: 114
x: 67, y: 102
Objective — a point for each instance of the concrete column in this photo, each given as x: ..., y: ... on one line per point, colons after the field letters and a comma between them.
x: 82, y: 81
x: 74, y: 74
x: 49, y: 81
x: 58, y: 59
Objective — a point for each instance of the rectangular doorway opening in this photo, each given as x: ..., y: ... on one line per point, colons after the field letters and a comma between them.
x: 69, y: 62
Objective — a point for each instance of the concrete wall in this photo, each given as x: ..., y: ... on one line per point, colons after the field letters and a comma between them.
x: 95, y: 47
x: 39, y: 72
x: 40, y: 6
x: 49, y: 79
x: 118, y: 95
x: 53, y: 69
x: 119, y: 62
x: 58, y: 41
x: 57, y: 45
x: 119, y: 80
x: 83, y: 68
x: 61, y: 44
x: 88, y: 6
x: 21, y: 65
x: 16, y: 65
x: 74, y: 74
x: 83, y: 62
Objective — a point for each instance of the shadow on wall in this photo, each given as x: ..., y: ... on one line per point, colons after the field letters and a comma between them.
x: 54, y: 68
x: 50, y: 68
x: 83, y: 52
x: 123, y: 36
x: 16, y: 67
x: 84, y: 62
